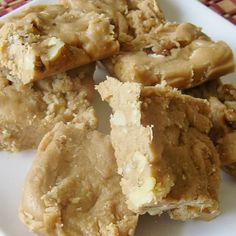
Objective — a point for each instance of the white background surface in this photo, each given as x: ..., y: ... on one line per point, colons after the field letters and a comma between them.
x: 13, y: 167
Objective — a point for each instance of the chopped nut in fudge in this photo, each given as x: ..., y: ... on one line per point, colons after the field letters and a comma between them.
x: 180, y: 55
x: 45, y: 40
x: 164, y: 155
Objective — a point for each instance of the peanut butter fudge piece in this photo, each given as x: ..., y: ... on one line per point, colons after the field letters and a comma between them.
x: 45, y: 40
x: 132, y: 18
x: 164, y: 155
x: 222, y: 99
x: 27, y: 113
x: 177, y: 54
x: 79, y: 194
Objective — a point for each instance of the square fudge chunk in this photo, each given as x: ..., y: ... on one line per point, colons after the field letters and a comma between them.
x: 164, y: 155
x: 63, y: 199
x: 45, y: 40
x: 180, y: 55
x: 28, y: 112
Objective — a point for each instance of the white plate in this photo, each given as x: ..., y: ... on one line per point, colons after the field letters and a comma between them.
x: 13, y: 167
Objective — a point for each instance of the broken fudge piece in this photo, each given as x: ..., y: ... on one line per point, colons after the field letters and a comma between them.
x: 222, y: 99
x: 177, y: 54
x: 45, y: 40
x: 164, y: 155
x: 27, y: 113
x: 132, y: 18
x: 80, y: 193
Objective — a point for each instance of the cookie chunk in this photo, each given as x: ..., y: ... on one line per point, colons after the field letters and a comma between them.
x: 164, y: 155
x: 177, y: 54
x: 45, y: 40
x: 27, y: 113
x: 222, y: 99
x: 79, y: 194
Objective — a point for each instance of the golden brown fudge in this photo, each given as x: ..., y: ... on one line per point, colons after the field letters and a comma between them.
x: 222, y: 99
x: 45, y: 40
x: 164, y: 155
x: 79, y: 194
x: 27, y: 113
x: 132, y: 18
x: 179, y: 55
x: 227, y: 150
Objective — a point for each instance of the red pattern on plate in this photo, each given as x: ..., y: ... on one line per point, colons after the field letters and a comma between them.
x: 7, y: 6
x: 226, y: 8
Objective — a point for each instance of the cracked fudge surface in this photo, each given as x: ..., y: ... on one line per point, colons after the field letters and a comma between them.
x: 222, y: 99
x: 80, y: 193
x: 177, y: 54
x: 132, y: 18
x: 45, y: 40
x: 28, y: 112
x: 164, y: 155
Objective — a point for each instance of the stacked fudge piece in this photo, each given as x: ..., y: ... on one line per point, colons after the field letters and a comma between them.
x: 172, y: 122
x: 41, y: 84
x: 46, y: 40
x: 167, y: 155
x: 47, y: 63
x: 178, y: 54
